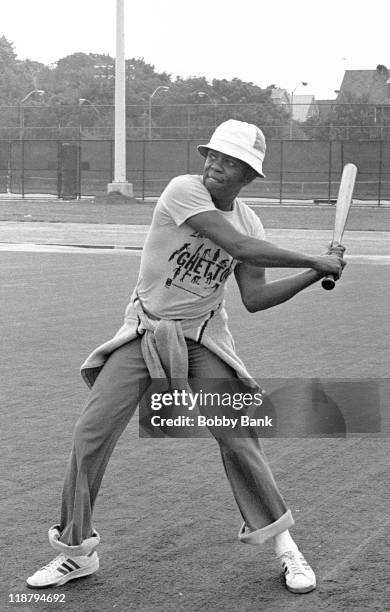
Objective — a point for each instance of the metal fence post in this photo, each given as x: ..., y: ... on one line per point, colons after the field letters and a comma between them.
x: 59, y: 169
x: 380, y: 172
x: 188, y: 156
x: 111, y: 161
x: 79, y: 166
x: 281, y: 172
x: 330, y: 172
x: 188, y: 121
x: 143, y: 169
x: 22, y: 173
x: 9, y: 167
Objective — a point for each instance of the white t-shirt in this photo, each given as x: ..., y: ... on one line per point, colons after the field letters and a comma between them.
x: 182, y: 274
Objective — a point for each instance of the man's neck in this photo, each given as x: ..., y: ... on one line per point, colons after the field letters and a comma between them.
x: 224, y: 204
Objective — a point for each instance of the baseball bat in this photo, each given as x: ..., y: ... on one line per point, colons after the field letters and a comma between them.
x: 343, y: 205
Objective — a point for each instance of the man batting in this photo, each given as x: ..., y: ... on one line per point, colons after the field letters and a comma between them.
x: 200, y: 234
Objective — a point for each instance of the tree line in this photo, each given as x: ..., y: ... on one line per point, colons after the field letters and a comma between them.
x: 79, y: 92
x: 78, y: 99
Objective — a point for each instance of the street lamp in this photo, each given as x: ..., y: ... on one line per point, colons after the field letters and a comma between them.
x: 203, y: 94
x: 292, y: 104
x: 86, y: 101
x: 159, y: 88
x: 40, y: 92
x: 83, y: 101
x: 199, y: 94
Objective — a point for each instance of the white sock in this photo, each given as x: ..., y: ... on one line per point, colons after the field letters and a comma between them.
x: 283, y: 543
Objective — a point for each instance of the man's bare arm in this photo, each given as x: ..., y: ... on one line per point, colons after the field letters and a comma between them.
x: 258, y: 294
x: 259, y: 253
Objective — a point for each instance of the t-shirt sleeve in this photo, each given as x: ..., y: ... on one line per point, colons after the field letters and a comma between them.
x: 256, y: 227
x: 184, y: 197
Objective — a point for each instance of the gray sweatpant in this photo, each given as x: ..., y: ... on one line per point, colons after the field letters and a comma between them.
x: 112, y: 402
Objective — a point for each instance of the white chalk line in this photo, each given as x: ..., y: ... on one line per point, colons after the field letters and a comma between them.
x: 355, y: 551
x: 118, y: 249
x: 58, y: 248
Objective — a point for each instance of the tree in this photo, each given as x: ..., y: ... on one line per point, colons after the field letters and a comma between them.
x: 195, y: 107
x: 190, y: 108
x: 17, y: 79
x: 10, y: 73
x: 350, y: 118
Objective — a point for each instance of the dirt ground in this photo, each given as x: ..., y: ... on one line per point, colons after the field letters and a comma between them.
x: 166, y: 515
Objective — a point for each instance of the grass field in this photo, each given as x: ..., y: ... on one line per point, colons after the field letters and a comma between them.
x: 165, y: 513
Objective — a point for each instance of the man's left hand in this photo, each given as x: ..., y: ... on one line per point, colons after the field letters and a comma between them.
x: 336, y: 249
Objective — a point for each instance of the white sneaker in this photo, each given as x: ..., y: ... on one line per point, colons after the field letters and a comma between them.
x: 62, y: 569
x: 296, y: 574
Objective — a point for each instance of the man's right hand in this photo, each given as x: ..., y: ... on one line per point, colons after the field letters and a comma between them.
x: 329, y: 264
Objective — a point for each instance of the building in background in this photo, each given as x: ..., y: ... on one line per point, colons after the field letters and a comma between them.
x: 304, y: 107
x: 299, y: 107
x: 372, y: 86
x: 280, y: 96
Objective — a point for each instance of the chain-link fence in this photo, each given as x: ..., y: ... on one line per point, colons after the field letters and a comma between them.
x: 313, y: 120
x: 295, y: 169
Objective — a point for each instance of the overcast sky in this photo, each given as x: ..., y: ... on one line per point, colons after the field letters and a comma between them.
x: 274, y: 41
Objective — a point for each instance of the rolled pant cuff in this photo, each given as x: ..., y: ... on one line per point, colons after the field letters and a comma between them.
x: 259, y: 536
x: 85, y: 548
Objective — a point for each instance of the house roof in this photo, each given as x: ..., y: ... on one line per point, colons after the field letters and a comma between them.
x: 371, y: 84
x: 279, y: 95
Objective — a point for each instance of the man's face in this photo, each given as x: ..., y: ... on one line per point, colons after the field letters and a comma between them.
x: 223, y: 176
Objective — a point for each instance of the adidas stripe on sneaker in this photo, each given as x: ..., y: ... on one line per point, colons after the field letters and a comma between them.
x: 296, y: 574
x: 62, y: 569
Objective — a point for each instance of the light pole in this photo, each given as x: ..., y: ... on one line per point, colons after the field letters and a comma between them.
x: 199, y: 94
x: 203, y: 94
x: 120, y: 184
x: 83, y: 101
x: 40, y: 92
x: 159, y: 88
x: 292, y: 104
x: 332, y: 116
x: 86, y: 101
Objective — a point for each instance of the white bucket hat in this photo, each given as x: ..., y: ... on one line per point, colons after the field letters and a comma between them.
x: 241, y: 140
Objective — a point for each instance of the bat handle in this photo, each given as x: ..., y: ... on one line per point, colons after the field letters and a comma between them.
x: 328, y: 282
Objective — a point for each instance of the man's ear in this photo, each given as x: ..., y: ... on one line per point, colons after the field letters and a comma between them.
x: 250, y: 176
